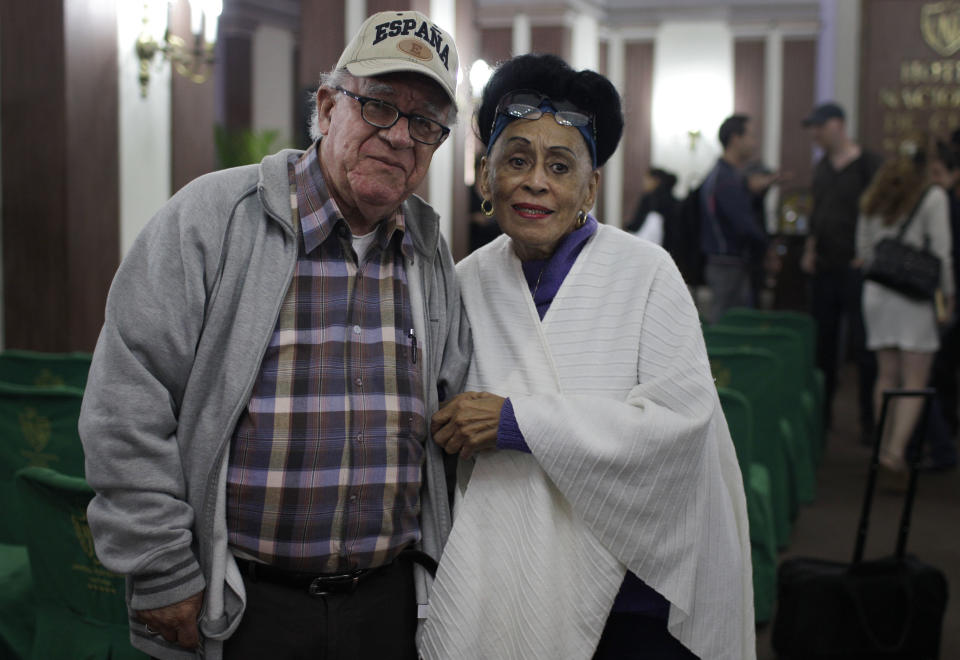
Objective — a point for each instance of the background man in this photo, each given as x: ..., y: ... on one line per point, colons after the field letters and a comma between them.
x: 841, y: 176
x: 730, y: 236
x: 256, y: 419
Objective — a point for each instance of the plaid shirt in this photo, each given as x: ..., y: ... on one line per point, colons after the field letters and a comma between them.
x: 325, y: 464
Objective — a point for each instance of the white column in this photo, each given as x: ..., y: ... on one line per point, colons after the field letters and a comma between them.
x: 355, y: 13
x: 585, y: 38
x: 773, y: 116
x: 272, y: 84
x: 521, y: 35
x: 144, y: 126
x: 692, y: 91
x: 612, y: 173
x: 847, y: 63
x: 441, y: 172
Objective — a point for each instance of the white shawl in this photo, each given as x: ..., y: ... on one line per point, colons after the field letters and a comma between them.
x: 632, y: 466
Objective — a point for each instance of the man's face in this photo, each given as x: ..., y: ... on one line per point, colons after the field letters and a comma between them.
x: 747, y: 143
x: 828, y: 134
x: 371, y: 170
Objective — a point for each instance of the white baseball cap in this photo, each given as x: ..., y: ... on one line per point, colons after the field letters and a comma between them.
x: 392, y: 41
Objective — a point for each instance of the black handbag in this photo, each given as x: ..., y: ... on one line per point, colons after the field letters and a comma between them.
x: 885, y: 608
x: 914, y: 272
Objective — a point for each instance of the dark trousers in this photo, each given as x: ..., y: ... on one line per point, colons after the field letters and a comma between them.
x: 378, y: 621
x: 629, y: 636
x: 835, y: 298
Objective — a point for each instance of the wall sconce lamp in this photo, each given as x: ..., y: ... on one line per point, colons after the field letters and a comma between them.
x: 193, y: 61
x: 694, y: 135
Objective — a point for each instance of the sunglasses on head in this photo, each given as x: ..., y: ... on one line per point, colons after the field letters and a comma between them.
x: 525, y: 104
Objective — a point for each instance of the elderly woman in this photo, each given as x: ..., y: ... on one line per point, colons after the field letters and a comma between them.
x: 603, y: 514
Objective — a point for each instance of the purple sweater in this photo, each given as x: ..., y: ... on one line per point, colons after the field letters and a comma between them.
x: 544, y: 277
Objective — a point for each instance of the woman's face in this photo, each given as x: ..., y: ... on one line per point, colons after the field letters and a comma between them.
x: 539, y: 177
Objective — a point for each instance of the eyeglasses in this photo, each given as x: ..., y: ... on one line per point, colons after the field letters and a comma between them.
x: 384, y: 115
x: 525, y: 104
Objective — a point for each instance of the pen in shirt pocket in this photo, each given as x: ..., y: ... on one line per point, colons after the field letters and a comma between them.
x: 413, y: 345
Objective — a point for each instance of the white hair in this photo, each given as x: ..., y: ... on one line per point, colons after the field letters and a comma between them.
x: 341, y: 78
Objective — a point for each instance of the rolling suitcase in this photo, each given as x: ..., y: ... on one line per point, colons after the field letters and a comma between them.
x: 889, y: 608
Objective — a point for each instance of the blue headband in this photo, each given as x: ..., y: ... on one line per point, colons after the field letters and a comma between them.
x: 545, y: 106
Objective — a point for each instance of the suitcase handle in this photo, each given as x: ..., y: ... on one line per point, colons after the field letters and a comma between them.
x: 927, y: 393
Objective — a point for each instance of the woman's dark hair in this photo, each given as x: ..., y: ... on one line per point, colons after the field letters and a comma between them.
x: 660, y: 199
x: 551, y: 76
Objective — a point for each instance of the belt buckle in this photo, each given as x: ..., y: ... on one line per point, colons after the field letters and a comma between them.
x: 343, y: 583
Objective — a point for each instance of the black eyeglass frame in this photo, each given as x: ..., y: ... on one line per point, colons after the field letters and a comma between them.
x: 562, y: 115
x: 364, y: 100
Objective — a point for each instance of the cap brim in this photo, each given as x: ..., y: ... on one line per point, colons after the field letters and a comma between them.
x: 381, y: 66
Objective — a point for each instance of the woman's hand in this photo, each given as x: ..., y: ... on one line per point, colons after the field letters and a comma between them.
x: 468, y: 423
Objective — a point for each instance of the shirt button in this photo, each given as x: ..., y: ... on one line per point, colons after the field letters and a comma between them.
x: 356, y: 329
x: 358, y: 381
x: 353, y: 498
x: 359, y: 437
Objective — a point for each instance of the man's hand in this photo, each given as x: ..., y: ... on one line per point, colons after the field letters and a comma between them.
x: 177, y: 623
x: 468, y: 423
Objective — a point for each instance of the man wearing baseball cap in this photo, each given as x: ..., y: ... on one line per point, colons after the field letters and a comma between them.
x: 841, y: 176
x: 276, y: 341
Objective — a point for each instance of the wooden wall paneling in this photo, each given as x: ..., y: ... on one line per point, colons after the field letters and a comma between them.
x: 910, y: 73
x: 33, y: 79
x: 749, y: 84
x: 496, y: 45
x: 601, y: 215
x: 192, y: 151
x: 467, y: 48
x: 238, y: 74
x: 799, y: 94
x: 637, y: 102
x: 322, y: 40
x: 551, y: 39
x: 60, y: 170
x: 92, y: 164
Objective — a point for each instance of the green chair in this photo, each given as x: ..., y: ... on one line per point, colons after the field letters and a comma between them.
x: 755, y: 373
x: 81, y: 607
x: 788, y: 346
x: 44, y: 369
x: 38, y: 427
x: 17, y: 605
x: 806, y: 327
x: 763, y: 535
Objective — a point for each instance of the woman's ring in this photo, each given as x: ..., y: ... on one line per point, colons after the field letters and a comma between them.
x: 150, y: 630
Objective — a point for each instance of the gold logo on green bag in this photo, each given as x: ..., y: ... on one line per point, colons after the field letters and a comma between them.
x: 721, y: 374
x: 47, y: 378
x: 84, y: 535
x: 36, y: 431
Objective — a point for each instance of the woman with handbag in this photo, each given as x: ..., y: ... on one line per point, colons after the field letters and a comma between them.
x: 904, y: 246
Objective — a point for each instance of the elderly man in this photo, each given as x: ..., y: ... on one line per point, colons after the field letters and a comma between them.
x: 256, y: 419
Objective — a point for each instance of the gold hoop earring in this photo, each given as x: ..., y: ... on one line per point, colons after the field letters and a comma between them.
x: 486, y: 207
x: 581, y: 219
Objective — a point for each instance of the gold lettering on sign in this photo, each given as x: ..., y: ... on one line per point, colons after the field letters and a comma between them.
x: 940, y: 26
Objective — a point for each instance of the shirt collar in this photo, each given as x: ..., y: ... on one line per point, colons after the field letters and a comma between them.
x: 320, y: 217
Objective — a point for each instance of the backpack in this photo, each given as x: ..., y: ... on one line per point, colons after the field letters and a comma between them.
x: 682, y: 238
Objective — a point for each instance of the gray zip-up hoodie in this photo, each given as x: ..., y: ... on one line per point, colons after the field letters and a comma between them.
x: 188, y: 319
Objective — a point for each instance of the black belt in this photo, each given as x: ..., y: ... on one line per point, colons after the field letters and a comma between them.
x: 322, y: 584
